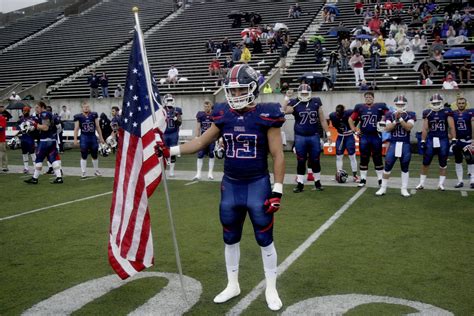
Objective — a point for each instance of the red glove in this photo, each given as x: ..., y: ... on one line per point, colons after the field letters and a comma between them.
x: 161, y: 150
x: 272, y: 204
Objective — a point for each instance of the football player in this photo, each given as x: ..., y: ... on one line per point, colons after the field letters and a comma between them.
x: 370, y: 143
x: 399, y: 123
x: 88, y: 123
x: 26, y: 125
x: 464, y: 125
x: 204, y: 121
x: 115, y: 122
x: 438, y: 127
x: 58, y: 126
x: 250, y: 131
x: 47, y: 147
x: 345, y: 139
x: 173, y: 122
x: 307, y: 111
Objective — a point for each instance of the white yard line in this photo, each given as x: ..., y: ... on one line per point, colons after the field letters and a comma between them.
x: 252, y: 296
x: 53, y: 206
x: 464, y: 193
x: 192, y: 182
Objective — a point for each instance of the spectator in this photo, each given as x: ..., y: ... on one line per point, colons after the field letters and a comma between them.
x: 449, y: 83
x: 3, y: 142
x: 332, y: 66
x: 297, y: 11
x: 277, y: 88
x: 226, y: 45
x: 355, y: 44
x: 398, y: 7
x: 228, y: 63
x: 452, y: 69
x: 283, y: 53
x: 104, y: 83
x: 236, y: 53
x: 284, y: 87
x: 400, y: 34
x: 388, y: 7
x: 318, y: 51
x: 344, y: 53
x: 359, y: 8
x: 366, y: 49
x: 172, y: 75
x: 14, y: 97
x: 291, y: 11
x: 118, y: 93
x: 5, y: 113
x: 65, y: 114
x: 374, y: 24
x: 357, y: 64
x: 327, y: 16
x: 246, y: 56
x: 438, y: 57
x: 303, y: 45
x: 210, y: 46
x: 416, y: 44
x: 425, y: 74
x: 407, y: 56
x: 261, y: 78
x: 93, y: 81
x: 465, y: 72
x: 403, y: 43
x: 257, y: 46
x: 383, y: 49
x: 367, y: 15
x: 214, y: 67
x: 375, y: 52
x: 104, y: 123
x: 267, y: 89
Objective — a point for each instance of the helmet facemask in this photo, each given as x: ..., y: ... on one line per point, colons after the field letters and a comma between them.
x: 401, y: 107
x: 243, y: 100
x: 436, y: 106
x: 304, y: 93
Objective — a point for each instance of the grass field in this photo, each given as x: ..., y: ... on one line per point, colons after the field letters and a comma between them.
x: 419, y: 249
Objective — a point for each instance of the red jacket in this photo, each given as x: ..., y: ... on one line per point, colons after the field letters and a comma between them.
x: 3, y: 128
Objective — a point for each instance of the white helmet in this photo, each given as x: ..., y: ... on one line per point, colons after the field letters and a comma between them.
x: 400, y: 103
x: 304, y: 92
x: 26, y: 127
x: 104, y: 150
x: 241, y: 77
x: 169, y: 100
x: 111, y: 141
x: 14, y: 142
x: 436, y: 102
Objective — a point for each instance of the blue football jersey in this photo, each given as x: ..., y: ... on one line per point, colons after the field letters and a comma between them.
x: 87, y: 123
x: 462, y: 123
x: 399, y: 134
x: 115, y: 122
x: 369, y: 116
x: 205, y: 119
x: 47, y: 118
x: 245, y: 137
x: 341, y: 124
x: 306, y: 116
x: 437, y: 122
x: 171, y: 113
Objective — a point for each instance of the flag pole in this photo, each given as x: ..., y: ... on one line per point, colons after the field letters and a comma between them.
x: 152, y: 99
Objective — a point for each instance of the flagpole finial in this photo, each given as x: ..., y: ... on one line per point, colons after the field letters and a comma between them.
x: 135, y: 9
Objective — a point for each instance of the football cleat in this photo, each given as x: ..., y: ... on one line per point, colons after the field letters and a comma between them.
x: 472, y: 185
x: 58, y: 180
x: 318, y: 186
x: 197, y: 178
x: 362, y: 183
x: 299, y: 188
x: 441, y: 187
x: 50, y: 171
x: 381, y: 191
x: 273, y: 300
x: 419, y: 187
x: 97, y: 173
x: 404, y: 193
x: 229, y: 292
x: 210, y: 177
x: 25, y: 171
x: 459, y: 185
x: 310, y: 177
x: 83, y: 175
x: 31, y: 181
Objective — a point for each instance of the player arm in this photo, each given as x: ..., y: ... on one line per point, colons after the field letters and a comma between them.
x: 452, y: 129
x: 424, y: 130
x: 472, y: 127
x: 352, y: 125
x: 285, y: 107
x: 198, y: 143
x: 45, y: 126
x: 276, y: 150
x: 99, y: 130
x: 178, y: 120
x: 323, y: 121
x: 407, y: 125
x: 76, y: 131
x: 198, y: 129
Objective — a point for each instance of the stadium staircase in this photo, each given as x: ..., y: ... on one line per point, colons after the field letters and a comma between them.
x: 182, y: 43
x: 394, y: 77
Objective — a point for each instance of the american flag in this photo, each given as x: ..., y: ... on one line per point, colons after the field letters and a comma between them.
x: 137, y: 171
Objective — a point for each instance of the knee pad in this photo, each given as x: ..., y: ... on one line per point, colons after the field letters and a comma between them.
x: 301, y: 167
x: 200, y: 154
x: 84, y: 153
x: 57, y: 164
x: 458, y: 156
x: 378, y: 161
x: 364, y: 162
x: 264, y: 238
x: 404, y: 166
x: 232, y: 236
x: 211, y: 154
x: 39, y: 165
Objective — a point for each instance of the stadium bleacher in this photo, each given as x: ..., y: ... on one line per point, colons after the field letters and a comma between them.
x: 181, y: 42
x: 77, y: 42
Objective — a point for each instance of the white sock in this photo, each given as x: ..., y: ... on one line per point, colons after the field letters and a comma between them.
x: 459, y: 172
x: 339, y: 162
x: 38, y: 167
x: 384, y: 181
x: 95, y: 163
x: 405, y: 177
x: 422, y: 179
x: 353, y: 162
x: 317, y: 176
x: 172, y: 168
x: 199, y: 164
x: 470, y: 169
x: 232, y: 257
x: 441, y: 180
x: 211, y: 165
x: 49, y: 165
x: 33, y: 158
x: 300, y: 178
x: 57, y: 168
x: 379, y: 174
x: 83, y: 165
x: 269, y: 258
x: 36, y: 174
x: 363, y: 174
x: 25, y: 161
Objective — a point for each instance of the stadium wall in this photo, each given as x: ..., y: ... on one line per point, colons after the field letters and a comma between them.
x: 417, y: 101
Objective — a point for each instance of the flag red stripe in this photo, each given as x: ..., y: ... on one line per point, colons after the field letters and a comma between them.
x: 146, y: 229
x: 118, y: 160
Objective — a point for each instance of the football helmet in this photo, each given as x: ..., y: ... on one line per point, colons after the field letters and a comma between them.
x: 304, y: 92
x: 111, y: 141
x: 14, y: 142
x: 241, y: 77
x: 104, y: 150
x: 169, y: 100
x: 26, y: 127
x: 341, y: 176
x: 218, y: 151
x: 400, y: 103
x: 468, y: 152
x: 436, y: 102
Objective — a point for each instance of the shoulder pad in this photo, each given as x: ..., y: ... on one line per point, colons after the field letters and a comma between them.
x: 412, y: 115
x: 76, y: 117
x: 219, y: 111
x: 270, y: 114
x: 293, y: 101
x: 94, y: 115
x: 178, y: 110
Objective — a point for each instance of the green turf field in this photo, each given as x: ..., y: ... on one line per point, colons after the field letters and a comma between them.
x: 418, y: 249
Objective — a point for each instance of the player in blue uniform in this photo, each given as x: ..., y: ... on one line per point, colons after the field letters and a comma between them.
x: 464, y: 125
x: 307, y: 111
x: 370, y: 142
x: 59, y: 128
x: 115, y: 121
x: 88, y: 123
x: 25, y: 125
x: 345, y: 139
x: 47, y: 147
x: 250, y: 131
x: 204, y: 121
x: 173, y: 122
x: 438, y: 128
x: 399, y: 123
